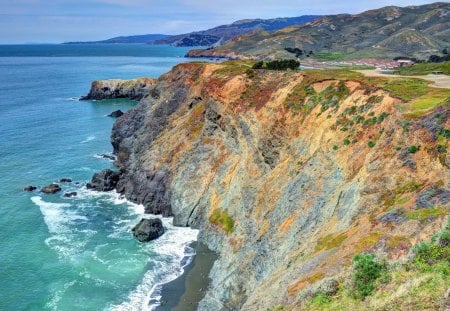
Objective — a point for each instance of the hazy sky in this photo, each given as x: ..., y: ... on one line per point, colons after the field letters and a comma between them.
x: 73, y: 20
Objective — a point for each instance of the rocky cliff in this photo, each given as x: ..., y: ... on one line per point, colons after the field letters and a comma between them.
x: 287, y: 174
x: 117, y: 88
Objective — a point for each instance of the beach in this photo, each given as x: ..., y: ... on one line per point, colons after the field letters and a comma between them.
x: 185, y: 292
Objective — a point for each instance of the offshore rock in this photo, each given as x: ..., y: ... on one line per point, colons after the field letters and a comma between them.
x: 29, y: 188
x: 105, y: 180
x: 116, y: 114
x: 148, y: 229
x: 50, y: 189
x: 115, y: 88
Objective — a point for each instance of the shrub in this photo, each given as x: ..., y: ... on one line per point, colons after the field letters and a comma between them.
x: 346, y: 141
x: 222, y: 220
x: 283, y: 64
x: 258, y: 65
x: 367, y: 270
x: 371, y: 144
x: 413, y: 149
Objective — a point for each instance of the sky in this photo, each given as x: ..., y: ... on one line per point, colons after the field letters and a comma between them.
x: 55, y: 21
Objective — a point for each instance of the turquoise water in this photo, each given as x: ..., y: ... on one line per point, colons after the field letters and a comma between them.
x: 73, y: 254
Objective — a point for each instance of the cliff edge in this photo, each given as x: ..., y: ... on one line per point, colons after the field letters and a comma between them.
x: 288, y: 174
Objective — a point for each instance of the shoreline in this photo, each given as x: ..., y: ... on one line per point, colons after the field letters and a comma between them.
x: 185, y: 292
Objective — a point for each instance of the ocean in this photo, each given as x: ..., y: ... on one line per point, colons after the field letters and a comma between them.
x: 77, y: 253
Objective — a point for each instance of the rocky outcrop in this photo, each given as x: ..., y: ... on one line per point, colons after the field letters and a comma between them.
x: 50, y: 189
x: 287, y: 174
x: 70, y: 194
x: 105, y: 180
x: 29, y: 188
x: 116, y: 114
x: 148, y: 229
x: 115, y: 88
x: 65, y: 180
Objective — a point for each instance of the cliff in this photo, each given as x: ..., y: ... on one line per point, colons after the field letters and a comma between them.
x: 288, y: 174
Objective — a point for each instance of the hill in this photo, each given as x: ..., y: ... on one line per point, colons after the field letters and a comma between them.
x: 126, y: 39
x: 222, y: 34
x: 415, y: 31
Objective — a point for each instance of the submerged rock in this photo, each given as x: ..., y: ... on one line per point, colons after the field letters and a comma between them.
x: 29, y: 188
x: 107, y: 156
x: 50, y: 189
x: 148, y: 229
x: 70, y: 194
x: 65, y: 180
x: 105, y: 180
x: 116, y: 114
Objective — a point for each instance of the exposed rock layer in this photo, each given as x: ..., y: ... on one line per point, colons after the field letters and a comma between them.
x: 286, y: 174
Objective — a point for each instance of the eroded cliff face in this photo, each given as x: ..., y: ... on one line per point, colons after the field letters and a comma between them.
x: 286, y: 174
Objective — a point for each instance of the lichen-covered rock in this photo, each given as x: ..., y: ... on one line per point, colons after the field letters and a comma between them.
x: 105, y: 180
x: 148, y: 229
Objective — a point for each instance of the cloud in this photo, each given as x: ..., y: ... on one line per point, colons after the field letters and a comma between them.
x: 63, y: 20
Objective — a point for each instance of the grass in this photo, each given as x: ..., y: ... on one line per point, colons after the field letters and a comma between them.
x: 424, y: 214
x: 328, y: 56
x: 425, y: 68
x: 420, y: 283
x: 429, y: 101
x: 330, y: 241
x: 223, y: 220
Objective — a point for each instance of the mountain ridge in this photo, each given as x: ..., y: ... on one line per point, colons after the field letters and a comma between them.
x: 418, y: 31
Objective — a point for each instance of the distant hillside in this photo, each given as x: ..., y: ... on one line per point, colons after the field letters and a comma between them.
x: 416, y: 31
x: 222, y: 34
x: 127, y: 39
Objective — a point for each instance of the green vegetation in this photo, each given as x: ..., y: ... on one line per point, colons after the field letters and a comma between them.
x: 329, y: 56
x: 391, y: 197
x: 330, y: 241
x: 425, y: 68
x: 284, y: 64
x: 346, y: 142
x: 424, y: 214
x: 223, y: 220
x: 367, y: 270
x: 413, y: 149
x: 371, y: 144
x: 419, y: 284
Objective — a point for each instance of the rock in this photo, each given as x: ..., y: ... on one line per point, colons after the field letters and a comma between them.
x: 432, y: 196
x: 65, y: 180
x: 107, y: 156
x: 70, y: 194
x: 105, y: 180
x: 327, y: 286
x: 116, y: 88
x: 29, y: 188
x: 394, y: 216
x: 116, y: 114
x: 148, y: 229
x: 50, y: 189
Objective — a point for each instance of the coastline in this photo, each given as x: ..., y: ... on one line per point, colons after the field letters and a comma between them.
x: 185, y: 292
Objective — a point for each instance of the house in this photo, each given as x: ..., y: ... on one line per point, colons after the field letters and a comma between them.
x: 404, y: 62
